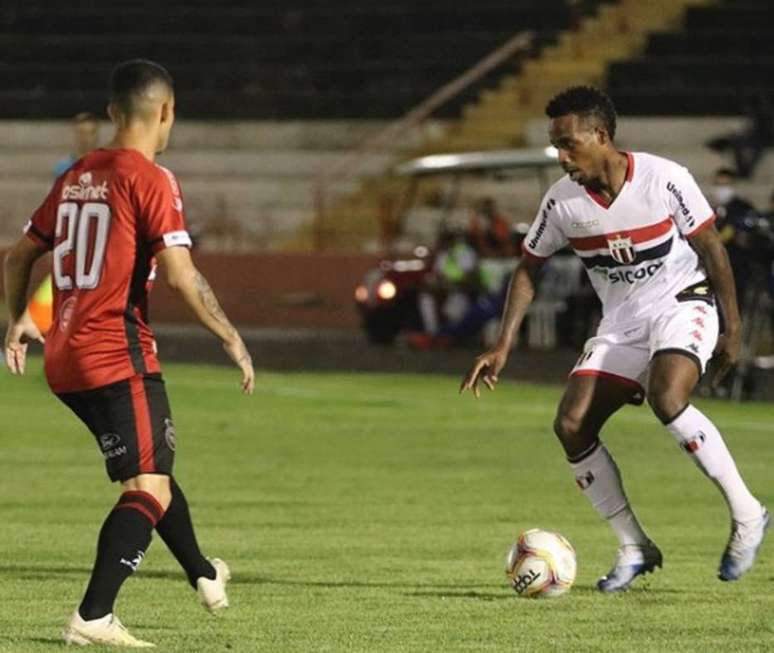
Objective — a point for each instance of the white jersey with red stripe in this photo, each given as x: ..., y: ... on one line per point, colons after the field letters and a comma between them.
x: 635, y: 250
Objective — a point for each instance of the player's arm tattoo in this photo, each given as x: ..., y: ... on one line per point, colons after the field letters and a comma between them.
x: 210, y: 301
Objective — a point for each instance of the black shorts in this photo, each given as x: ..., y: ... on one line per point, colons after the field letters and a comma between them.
x: 132, y: 424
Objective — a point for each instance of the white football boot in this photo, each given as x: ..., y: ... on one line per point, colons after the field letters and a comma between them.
x: 631, y: 561
x: 212, y: 593
x: 106, y: 631
x: 743, y: 545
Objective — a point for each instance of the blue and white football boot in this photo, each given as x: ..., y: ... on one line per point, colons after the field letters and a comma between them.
x: 632, y: 560
x: 743, y: 545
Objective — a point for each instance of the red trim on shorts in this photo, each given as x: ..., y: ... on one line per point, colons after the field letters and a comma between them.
x: 142, y: 424
x: 637, y: 235
x: 153, y: 519
x: 704, y: 225
x: 629, y: 383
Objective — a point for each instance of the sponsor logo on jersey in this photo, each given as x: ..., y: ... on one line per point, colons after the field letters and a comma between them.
x: 633, y: 276
x: 585, y: 225
x: 542, y: 225
x: 622, y: 249
x: 85, y: 190
x: 683, y: 208
x: 66, y: 313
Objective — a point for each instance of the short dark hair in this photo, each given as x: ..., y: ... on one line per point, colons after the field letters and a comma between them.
x: 131, y: 79
x: 586, y: 102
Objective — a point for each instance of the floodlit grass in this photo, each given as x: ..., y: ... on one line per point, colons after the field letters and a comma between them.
x: 372, y: 513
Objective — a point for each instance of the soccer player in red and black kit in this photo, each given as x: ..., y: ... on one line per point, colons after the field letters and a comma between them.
x: 108, y: 221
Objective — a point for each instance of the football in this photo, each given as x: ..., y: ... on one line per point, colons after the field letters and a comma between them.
x: 541, y: 564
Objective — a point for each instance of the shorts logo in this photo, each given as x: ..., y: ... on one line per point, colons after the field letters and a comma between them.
x: 111, y: 446
x: 622, y: 249
x: 169, y: 433
x: 109, y: 440
x: 693, y: 347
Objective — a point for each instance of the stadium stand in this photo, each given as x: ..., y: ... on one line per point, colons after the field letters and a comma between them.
x: 242, y: 60
x: 712, y: 64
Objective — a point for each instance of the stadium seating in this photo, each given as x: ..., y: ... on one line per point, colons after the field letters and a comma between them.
x: 721, y: 56
x: 242, y: 60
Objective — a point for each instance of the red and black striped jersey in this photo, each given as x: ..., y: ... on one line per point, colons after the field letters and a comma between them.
x: 103, y: 221
x: 635, y: 250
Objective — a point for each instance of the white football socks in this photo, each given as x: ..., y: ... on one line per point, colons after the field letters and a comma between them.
x: 703, y: 442
x: 598, y: 477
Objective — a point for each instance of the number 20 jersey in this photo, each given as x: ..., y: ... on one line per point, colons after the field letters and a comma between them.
x: 104, y: 220
x: 635, y: 250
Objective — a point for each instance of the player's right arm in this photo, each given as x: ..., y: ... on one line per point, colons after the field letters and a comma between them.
x: 181, y: 274
x: 21, y: 328
x: 543, y: 239
x: 520, y: 295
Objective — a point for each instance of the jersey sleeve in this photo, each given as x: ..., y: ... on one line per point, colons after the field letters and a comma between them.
x: 691, y: 211
x: 40, y: 227
x: 545, y: 236
x: 162, y: 221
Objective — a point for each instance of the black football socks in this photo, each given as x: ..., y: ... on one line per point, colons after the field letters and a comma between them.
x: 123, y: 540
x: 176, y: 529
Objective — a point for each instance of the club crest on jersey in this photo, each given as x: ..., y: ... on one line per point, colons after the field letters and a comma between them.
x: 622, y: 249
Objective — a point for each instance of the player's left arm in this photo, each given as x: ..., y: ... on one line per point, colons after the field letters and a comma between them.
x: 713, y: 255
x: 21, y: 328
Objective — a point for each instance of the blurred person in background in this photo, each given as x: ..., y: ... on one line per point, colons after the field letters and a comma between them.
x: 733, y: 224
x: 488, y: 231
x: 449, y: 289
x: 85, y: 139
x: 748, y: 145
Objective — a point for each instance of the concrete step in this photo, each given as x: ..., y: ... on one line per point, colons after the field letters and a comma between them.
x: 214, y: 163
x: 239, y: 135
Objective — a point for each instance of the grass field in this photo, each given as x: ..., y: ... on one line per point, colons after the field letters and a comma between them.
x: 372, y: 513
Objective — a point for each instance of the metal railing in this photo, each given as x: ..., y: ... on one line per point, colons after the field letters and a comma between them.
x: 374, y: 144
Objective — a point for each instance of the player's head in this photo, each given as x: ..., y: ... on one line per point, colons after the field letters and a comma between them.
x: 582, y: 127
x: 142, y: 92
x: 85, y: 132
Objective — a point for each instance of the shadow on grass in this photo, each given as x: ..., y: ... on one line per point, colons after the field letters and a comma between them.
x: 50, y: 641
x: 478, y: 596
x: 30, y: 572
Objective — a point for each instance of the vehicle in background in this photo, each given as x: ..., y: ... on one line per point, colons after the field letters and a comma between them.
x: 439, y: 199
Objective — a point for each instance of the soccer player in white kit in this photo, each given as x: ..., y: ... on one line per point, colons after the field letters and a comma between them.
x: 645, y: 234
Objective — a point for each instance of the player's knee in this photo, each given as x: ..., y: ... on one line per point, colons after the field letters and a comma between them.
x: 567, y: 427
x: 666, y: 402
x: 157, y: 485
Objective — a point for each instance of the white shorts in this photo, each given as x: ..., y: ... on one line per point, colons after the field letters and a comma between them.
x: 622, y: 352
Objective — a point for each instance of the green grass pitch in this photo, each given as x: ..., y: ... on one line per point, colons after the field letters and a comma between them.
x: 373, y: 513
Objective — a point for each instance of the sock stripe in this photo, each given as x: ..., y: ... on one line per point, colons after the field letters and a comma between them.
x: 676, y: 415
x: 139, y: 508
x: 585, y: 454
x: 145, y: 502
